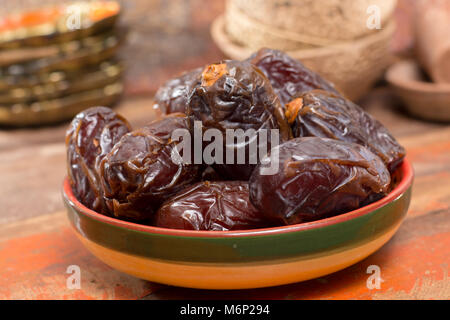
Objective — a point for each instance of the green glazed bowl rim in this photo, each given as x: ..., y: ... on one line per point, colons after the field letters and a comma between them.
x: 407, y: 176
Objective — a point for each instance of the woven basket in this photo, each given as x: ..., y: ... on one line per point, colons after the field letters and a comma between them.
x: 352, y: 66
x: 253, y: 34
x: 301, y: 23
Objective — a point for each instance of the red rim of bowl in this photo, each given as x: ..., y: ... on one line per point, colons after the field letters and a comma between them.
x: 403, y: 185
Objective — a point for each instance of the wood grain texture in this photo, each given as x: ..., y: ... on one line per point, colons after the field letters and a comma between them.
x: 35, y: 255
x: 37, y: 244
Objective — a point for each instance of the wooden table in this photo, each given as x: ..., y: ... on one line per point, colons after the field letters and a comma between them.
x: 37, y: 244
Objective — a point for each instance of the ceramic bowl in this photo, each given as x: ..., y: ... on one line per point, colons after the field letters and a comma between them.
x: 242, y: 259
x: 426, y: 100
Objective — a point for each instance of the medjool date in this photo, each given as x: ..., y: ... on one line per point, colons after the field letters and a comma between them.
x: 323, y: 114
x: 207, y: 205
x: 318, y: 178
x: 209, y: 174
x: 139, y: 173
x: 236, y: 95
x: 173, y: 96
x: 289, y: 77
x: 90, y: 136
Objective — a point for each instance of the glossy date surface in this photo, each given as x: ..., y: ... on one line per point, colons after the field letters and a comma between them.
x: 139, y: 174
x: 219, y: 206
x: 90, y: 136
x: 288, y: 76
x: 318, y: 178
x: 322, y: 114
x: 236, y: 95
x: 334, y: 157
x: 173, y: 95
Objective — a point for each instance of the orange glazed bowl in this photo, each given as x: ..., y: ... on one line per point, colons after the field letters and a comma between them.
x: 242, y: 259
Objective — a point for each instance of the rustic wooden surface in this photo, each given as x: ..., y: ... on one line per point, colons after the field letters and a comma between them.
x: 37, y: 244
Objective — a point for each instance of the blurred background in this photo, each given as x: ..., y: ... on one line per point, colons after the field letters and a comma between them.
x: 59, y: 57
x: 130, y: 48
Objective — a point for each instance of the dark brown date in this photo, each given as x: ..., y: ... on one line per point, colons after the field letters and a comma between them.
x: 323, y: 114
x: 90, y: 136
x: 289, y: 77
x: 318, y: 178
x: 139, y: 174
x: 237, y: 95
x: 173, y: 96
x: 219, y: 206
x: 209, y: 174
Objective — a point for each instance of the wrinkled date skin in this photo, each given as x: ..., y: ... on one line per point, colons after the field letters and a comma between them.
x: 237, y: 95
x: 323, y: 114
x: 173, y: 96
x: 90, y: 136
x: 219, y: 206
x: 139, y: 174
x: 318, y: 178
x: 289, y: 77
x: 209, y: 174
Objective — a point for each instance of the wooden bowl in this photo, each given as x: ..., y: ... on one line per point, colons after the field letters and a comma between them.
x: 426, y: 100
x: 316, y: 22
x: 242, y: 259
x: 352, y: 66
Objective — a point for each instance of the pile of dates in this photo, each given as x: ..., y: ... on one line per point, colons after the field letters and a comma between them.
x: 300, y: 151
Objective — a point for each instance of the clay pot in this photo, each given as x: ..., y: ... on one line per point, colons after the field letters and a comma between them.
x: 432, y: 38
x: 298, y: 24
x: 421, y: 98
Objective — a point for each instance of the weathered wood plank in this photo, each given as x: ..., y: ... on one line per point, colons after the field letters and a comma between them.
x: 405, y: 276
x: 35, y: 255
x: 37, y: 244
x: 31, y: 181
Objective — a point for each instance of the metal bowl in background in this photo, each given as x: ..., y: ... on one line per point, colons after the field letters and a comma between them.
x: 58, y: 60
